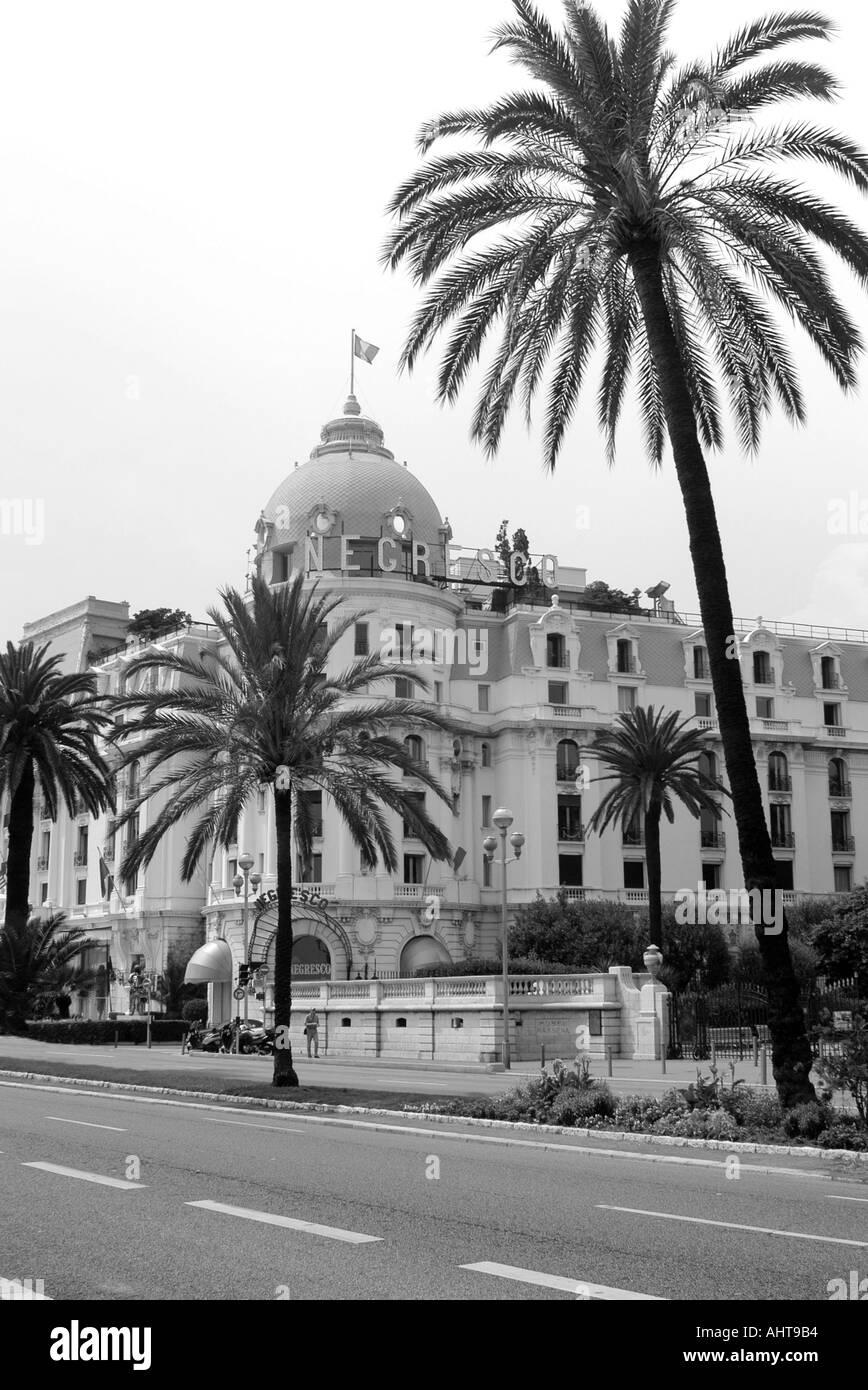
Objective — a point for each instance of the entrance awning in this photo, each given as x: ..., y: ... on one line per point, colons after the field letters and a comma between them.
x: 211, y: 964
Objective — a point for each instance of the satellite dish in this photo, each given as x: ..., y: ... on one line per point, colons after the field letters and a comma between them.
x: 658, y: 590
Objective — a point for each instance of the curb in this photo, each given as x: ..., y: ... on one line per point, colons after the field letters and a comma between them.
x: 854, y: 1156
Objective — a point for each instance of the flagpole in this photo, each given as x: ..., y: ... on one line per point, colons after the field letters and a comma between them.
x: 352, y: 361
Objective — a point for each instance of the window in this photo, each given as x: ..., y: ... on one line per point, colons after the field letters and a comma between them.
x: 438, y: 692
x: 634, y: 873
x: 400, y: 1023
x: 839, y: 781
x: 484, y: 691
x: 416, y: 802
x: 310, y: 871
x: 784, y: 874
x: 81, y: 845
x: 80, y: 892
x: 486, y: 755
x: 556, y: 650
x: 632, y: 832
x: 557, y: 692
x: 486, y: 812
x: 110, y: 831
x: 570, y: 870
x: 570, y: 818
x: 841, y: 841
x: 567, y: 760
x: 702, y: 706
x: 843, y: 878
x: 346, y: 1022
x: 403, y: 689
x: 486, y: 873
x: 361, y: 647
x: 710, y: 835
x: 765, y: 707
x: 711, y: 875
x: 762, y: 669
x: 312, y: 803
x: 707, y: 768
x: 625, y: 659
x: 832, y: 716
x: 280, y: 569
x: 779, y: 773
x: 700, y: 664
x: 132, y: 787
x: 414, y: 868
x: 626, y: 698
x: 780, y: 825
x: 415, y: 750
x: 43, y: 892
x: 828, y: 674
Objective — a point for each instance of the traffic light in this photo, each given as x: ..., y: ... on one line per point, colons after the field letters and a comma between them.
x: 243, y: 976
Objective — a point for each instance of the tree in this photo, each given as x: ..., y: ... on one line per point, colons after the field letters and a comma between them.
x: 584, y: 936
x: 841, y: 942
x: 150, y: 623
x: 653, y: 759
x: 641, y: 209
x: 528, y: 583
x: 174, y: 993
x: 600, y: 595
x: 34, y: 958
x: 697, y: 955
x: 267, y: 712
x: 49, y: 727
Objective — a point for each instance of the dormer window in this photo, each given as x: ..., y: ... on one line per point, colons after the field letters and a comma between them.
x: 626, y: 659
x: 762, y: 669
x: 701, y: 670
x: 829, y: 678
x: 556, y: 650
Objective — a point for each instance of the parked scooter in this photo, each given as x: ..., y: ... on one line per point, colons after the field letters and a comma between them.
x: 255, y: 1038
x: 204, y: 1039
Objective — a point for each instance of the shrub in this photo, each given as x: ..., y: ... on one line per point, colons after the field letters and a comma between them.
x: 806, y: 1121
x: 573, y: 1106
x: 753, y: 1109
x: 195, y: 1011
x: 845, y: 1133
x: 848, y: 1070
x: 637, y: 1113
x: 87, y: 1030
x: 691, y: 1125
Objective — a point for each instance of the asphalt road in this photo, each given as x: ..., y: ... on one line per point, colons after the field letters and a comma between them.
x: 109, y: 1197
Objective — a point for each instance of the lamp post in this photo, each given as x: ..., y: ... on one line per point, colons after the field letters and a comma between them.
x: 245, y: 880
x: 503, y: 820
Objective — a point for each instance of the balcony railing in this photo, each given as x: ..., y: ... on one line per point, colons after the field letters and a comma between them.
x: 836, y: 731
x: 712, y: 839
x: 417, y: 890
x: 570, y: 831
x: 831, y: 682
x: 843, y: 844
x: 567, y: 711
x: 627, y: 666
x: 841, y: 791
x: 775, y: 726
x: 706, y: 721
x: 554, y: 663
x: 44, y: 813
x: 780, y: 784
x: 633, y: 839
x: 572, y: 893
x: 79, y: 859
x: 567, y: 772
x: 783, y: 839
x: 42, y: 863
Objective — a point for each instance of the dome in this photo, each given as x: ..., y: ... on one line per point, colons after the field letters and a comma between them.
x: 351, y: 485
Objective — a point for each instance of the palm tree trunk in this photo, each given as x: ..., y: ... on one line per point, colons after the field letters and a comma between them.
x: 284, y: 1072
x: 652, y: 860
x: 791, y: 1053
x: 18, y: 854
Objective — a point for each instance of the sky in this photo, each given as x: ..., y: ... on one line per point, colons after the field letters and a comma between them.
x: 192, y: 210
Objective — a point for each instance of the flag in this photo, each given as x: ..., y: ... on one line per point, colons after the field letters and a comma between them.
x: 366, y: 351
x: 106, y: 879
x: 2, y: 883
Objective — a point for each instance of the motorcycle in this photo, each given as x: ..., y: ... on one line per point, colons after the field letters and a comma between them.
x: 256, y: 1039
x: 204, y: 1039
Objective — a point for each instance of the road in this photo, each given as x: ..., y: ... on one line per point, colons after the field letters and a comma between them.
x: 109, y: 1197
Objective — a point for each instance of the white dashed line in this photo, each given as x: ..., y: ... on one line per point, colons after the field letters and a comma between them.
x: 580, y: 1288
x: 270, y: 1219
x: 734, y: 1226
x: 84, y: 1177
x: 88, y: 1123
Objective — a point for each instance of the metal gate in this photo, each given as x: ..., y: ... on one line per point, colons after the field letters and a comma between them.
x: 734, y: 1018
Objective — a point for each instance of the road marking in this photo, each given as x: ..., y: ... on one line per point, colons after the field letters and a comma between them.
x: 833, y: 1198
x: 291, y: 1224
x: 281, y: 1129
x: 579, y: 1287
x: 734, y: 1226
x: 85, y: 1177
x: 90, y: 1125
x: 16, y: 1290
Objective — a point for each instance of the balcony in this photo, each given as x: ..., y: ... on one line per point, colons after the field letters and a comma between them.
x: 627, y: 666
x: 567, y: 772
x: 44, y: 813
x: 571, y: 832
x: 42, y: 863
x: 706, y: 722
x: 108, y: 853
x: 843, y: 844
x: 633, y: 839
x: 831, y: 682
x: 79, y: 859
x: 572, y: 894
x: 780, y: 786
x: 418, y: 890
x: 841, y: 791
x: 566, y: 711
x: 835, y: 730
x: 775, y: 726
x: 783, y: 839
x: 712, y: 839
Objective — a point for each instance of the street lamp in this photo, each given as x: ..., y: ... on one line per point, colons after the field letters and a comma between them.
x: 503, y: 820
x: 245, y: 880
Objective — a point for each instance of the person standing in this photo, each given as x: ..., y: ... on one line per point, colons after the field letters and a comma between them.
x: 311, y: 1030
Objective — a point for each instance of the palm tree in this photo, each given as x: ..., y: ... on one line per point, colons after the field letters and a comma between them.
x: 265, y: 712
x: 639, y: 210
x: 34, y: 956
x: 49, y: 727
x: 653, y: 759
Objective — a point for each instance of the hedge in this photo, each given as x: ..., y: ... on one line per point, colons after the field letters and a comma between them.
x: 87, y: 1030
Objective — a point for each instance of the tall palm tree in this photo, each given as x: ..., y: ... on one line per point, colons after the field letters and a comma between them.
x: 50, y: 725
x: 266, y: 712
x: 653, y: 757
x: 627, y: 203
x: 34, y: 954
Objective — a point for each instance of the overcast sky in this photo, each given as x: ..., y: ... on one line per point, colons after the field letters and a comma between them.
x: 191, y: 212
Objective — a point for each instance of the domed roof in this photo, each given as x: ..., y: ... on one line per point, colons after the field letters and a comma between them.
x: 351, y: 485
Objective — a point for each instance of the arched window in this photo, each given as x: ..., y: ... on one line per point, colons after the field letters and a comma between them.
x: 707, y: 765
x: 839, y: 777
x: 415, y: 750
x: 779, y: 773
x: 567, y: 760
x: 133, y: 779
x: 556, y: 650
x: 486, y: 755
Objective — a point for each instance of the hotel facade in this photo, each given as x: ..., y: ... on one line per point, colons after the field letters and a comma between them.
x: 529, y: 676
